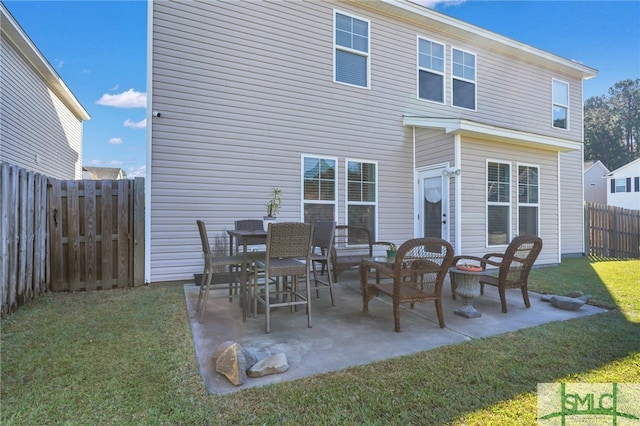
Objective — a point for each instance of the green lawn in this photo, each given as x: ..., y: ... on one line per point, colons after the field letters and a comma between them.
x: 126, y: 357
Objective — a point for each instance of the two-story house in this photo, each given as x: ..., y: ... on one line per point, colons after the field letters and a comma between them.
x: 624, y: 186
x: 40, y: 118
x: 383, y: 114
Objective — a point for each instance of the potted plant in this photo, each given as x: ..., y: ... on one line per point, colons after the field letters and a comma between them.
x: 392, y: 250
x: 273, y: 206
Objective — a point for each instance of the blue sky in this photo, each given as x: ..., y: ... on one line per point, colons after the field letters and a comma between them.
x: 99, y: 50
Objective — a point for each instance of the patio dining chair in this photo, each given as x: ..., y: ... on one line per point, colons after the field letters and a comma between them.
x: 211, y: 264
x: 507, y: 270
x: 418, y: 274
x: 287, y: 257
x: 249, y: 225
x: 323, y: 236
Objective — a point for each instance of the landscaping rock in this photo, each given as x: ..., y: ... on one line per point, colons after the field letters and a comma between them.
x: 567, y: 303
x: 219, y: 349
x: 546, y: 297
x: 233, y: 364
x: 254, y: 355
x: 272, y: 365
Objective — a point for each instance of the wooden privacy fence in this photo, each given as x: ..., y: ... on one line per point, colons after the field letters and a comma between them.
x: 612, y: 231
x: 67, y: 235
x: 23, y: 236
x: 96, y: 234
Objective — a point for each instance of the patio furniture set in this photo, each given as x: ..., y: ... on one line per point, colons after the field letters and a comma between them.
x: 299, y: 252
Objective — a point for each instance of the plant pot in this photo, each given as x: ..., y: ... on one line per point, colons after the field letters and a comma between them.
x: 266, y: 220
x: 391, y: 253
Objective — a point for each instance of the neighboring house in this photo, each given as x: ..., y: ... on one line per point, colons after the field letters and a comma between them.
x: 384, y: 114
x: 624, y: 186
x: 595, y: 183
x: 40, y: 119
x: 97, y: 173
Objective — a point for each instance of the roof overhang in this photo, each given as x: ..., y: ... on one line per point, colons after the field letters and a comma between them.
x: 12, y: 30
x: 458, y: 126
x: 434, y: 20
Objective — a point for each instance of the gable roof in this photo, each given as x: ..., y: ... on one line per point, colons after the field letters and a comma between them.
x: 105, y: 172
x: 622, y: 169
x: 588, y: 165
x: 415, y: 12
x: 16, y: 35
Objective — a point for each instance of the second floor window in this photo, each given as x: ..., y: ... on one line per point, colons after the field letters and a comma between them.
x: 430, y: 70
x: 351, y: 62
x: 464, y: 79
x: 560, y: 105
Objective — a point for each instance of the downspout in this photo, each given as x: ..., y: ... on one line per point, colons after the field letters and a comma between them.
x: 457, y: 157
x: 150, y: 118
x: 415, y: 185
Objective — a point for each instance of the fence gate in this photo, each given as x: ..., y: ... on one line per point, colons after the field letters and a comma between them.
x: 96, y: 234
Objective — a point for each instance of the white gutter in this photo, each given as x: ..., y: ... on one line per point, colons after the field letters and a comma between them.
x: 150, y: 118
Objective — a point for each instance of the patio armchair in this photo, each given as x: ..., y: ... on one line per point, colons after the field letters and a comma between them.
x: 417, y: 275
x: 323, y: 236
x: 288, y: 257
x: 506, y: 270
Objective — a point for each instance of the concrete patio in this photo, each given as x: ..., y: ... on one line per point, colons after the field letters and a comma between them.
x: 344, y: 336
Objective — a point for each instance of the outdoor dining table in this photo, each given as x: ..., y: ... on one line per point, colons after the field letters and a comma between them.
x: 243, y: 237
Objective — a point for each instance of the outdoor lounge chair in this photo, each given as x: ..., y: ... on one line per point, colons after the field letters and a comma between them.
x: 417, y: 275
x: 513, y: 267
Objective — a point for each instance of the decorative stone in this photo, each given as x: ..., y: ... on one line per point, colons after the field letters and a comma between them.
x: 272, y: 365
x: 576, y: 293
x: 219, y: 349
x: 233, y: 364
x: 567, y: 303
x: 254, y: 355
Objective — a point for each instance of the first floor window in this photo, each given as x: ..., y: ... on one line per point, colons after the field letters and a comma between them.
x: 362, y: 197
x: 498, y: 203
x: 528, y: 200
x: 319, y: 188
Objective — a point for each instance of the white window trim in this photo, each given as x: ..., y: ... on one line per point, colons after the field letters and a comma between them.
x: 335, y: 185
x: 356, y: 52
x: 475, y: 82
x: 443, y: 73
x: 518, y: 203
x: 553, y: 103
x: 495, y: 203
x: 360, y: 203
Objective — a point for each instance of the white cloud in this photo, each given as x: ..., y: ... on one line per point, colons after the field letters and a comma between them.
x: 433, y: 3
x: 128, y: 99
x: 59, y: 63
x: 140, y: 171
x: 135, y: 125
x: 116, y: 141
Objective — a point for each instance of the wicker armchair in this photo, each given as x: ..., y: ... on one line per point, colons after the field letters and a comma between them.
x: 288, y: 256
x: 513, y: 267
x: 417, y: 275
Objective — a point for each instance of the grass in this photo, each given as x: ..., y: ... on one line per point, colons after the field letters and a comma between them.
x: 126, y: 357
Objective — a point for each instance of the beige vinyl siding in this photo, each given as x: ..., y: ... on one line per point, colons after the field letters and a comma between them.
x: 571, y: 198
x: 35, y: 122
x: 475, y: 154
x: 244, y: 88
